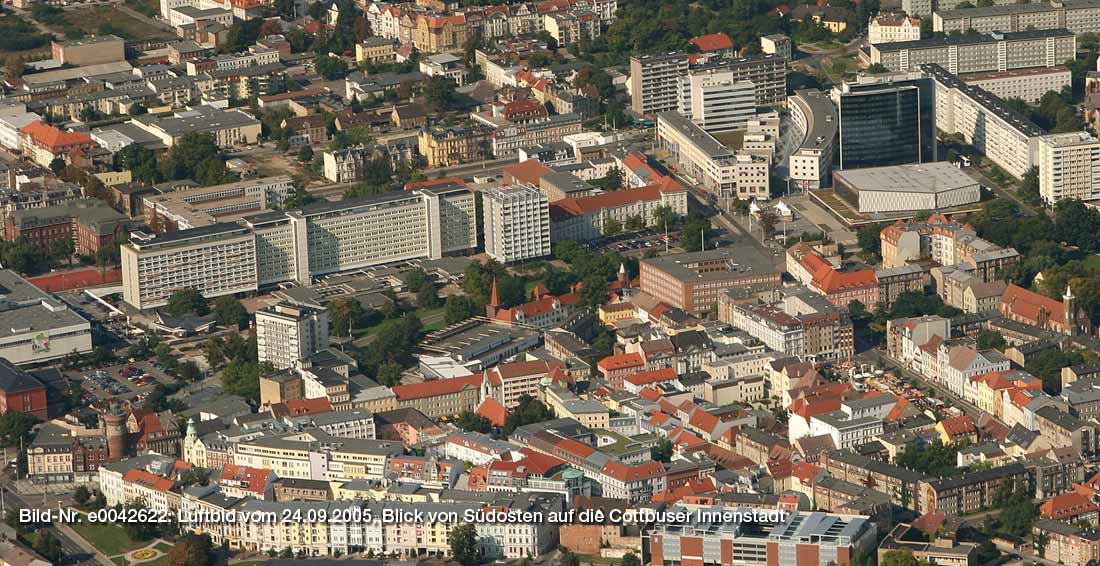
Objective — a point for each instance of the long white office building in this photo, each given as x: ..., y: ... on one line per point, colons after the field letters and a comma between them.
x: 814, y: 115
x: 1005, y: 136
x: 744, y: 176
x: 290, y: 245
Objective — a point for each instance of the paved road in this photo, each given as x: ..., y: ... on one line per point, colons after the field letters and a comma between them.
x: 78, y: 551
x: 1003, y: 193
x: 815, y: 57
x: 939, y: 390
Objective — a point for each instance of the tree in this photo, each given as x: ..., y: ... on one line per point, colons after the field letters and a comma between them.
x: 634, y: 223
x: 187, y: 301
x: 63, y: 249
x: 241, y: 377
x: 189, y: 371
x: 389, y: 374
x: 81, y: 496
x: 48, y: 546
x: 15, y: 425
x: 902, y: 557
x: 305, y: 155
x: 694, y: 237
x: 664, y: 216
x: 57, y: 165
x: 345, y: 315
x: 196, y: 156
x: 768, y: 219
x: 1041, y: 541
x: 416, y: 280
x: 612, y: 227
x: 568, y: 558
x: 1029, y: 186
x: 612, y: 181
x: 473, y: 422
x: 192, y: 550
x: 630, y: 559
x: 464, y: 545
x: 428, y: 296
x: 330, y: 67
x: 988, y: 339
x: 459, y: 308
x: 231, y: 312
x: 214, y: 352
x: 877, y: 68
x: 439, y: 93
x: 528, y: 411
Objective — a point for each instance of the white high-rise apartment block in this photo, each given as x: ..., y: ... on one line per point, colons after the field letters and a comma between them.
x: 286, y: 333
x: 1069, y: 167
x: 716, y: 101
x: 517, y: 223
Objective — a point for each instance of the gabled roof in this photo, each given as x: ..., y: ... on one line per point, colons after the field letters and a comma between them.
x: 654, y: 376
x: 52, y: 137
x: 492, y: 410
x: 712, y: 42
x: 436, y: 388
x: 620, y: 361
x: 1032, y: 306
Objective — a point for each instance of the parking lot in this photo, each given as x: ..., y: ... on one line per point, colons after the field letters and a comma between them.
x: 635, y: 241
x: 121, y: 382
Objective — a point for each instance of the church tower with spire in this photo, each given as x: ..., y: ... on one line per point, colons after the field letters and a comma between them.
x: 1069, y: 306
x: 494, y: 301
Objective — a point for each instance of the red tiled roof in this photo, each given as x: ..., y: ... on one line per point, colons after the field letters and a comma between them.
x: 492, y: 410
x: 529, y: 171
x: 250, y: 479
x: 596, y: 203
x: 712, y: 42
x: 647, y: 377
x: 436, y: 388
x: 620, y: 361
x: 958, y: 426
x: 538, y: 306
x: 434, y: 183
x: 575, y: 447
x: 54, y: 138
x: 1067, y: 505
x: 146, y: 479
x: 805, y: 472
x: 1029, y: 305
x: 301, y: 407
x: 638, y: 472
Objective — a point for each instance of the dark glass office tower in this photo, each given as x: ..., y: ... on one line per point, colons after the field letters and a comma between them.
x: 886, y: 123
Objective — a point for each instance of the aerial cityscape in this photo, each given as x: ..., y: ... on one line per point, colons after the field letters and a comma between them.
x: 550, y: 283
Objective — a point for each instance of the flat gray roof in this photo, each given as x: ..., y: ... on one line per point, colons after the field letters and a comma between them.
x: 741, y: 261
x: 821, y: 122
x: 934, y: 177
x: 706, y: 142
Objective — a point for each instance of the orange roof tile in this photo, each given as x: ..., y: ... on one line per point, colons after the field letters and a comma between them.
x: 712, y: 42
x: 654, y: 376
x: 436, y: 387
x: 54, y: 138
x: 620, y: 361
x: 492, y: 410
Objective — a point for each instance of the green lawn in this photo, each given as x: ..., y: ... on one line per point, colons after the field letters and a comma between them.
x: 162, y: 546
x: 161, y: 560
x: 1092, y: 263
x: 120, y: 561
x: 108, y: 538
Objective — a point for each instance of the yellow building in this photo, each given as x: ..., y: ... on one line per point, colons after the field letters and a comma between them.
x: 376, y: 50
x: 435, y: 34
x: 445, y: 147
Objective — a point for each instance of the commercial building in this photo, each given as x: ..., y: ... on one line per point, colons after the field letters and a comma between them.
x: 89, y: 223
x: 891, y: 27
x: 902, y: 188
x: 228, y: 127
x: 716, y: 101
x: 776, y: 44
x: 219, y: 259
x: 1002, y: 134
x: 978, y: 53
x: 64, y: 452
x: 517, y: 223
x: 183, y: 205
x: 42, y: 143
x: 802, y: 324
x: 813, y: 115
x: 446, y: 147
x: 583, y: 219
x: 453, y: 208
x: 694, y: 282
x: 89, y: 50
x: 35, y: 327
x: 794, y: 539
x: 1028, y: 85
x: 1069, y: 167
x: 287, y: 333
x: 22, y: 392
x: 655, y: 82
x: 885, y: 120
x: 727, y: 174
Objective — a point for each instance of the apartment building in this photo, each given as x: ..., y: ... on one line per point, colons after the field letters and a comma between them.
x: 694, y: 282
x: 583, y: 219
x: 655, y: 82
x: 508, y: 382
x: 1077, y: 16
x: 62, y: 452
x: 313, y: 454
x: 891, y: 27
x: 347, y: 165
x: 1069, y: 167
x: 814, y: 117
x: 288, y: 333
x: 42, y: 143
x: 1006, y: 137
x: 517, y: 223
x: 89, y: 223
x: 442, y: 397
x: 219, y: 259
x: 740, y: 175
x: 1067, y: 544
x: 901, y: 484
x: 1028, y: 84
x: 802, y: 324
x: 446, y: 147
x: 976, y: 53
x: 946, y: 242
x: 972, y: 492
x: 792, y: 539
x: 1062, y: 430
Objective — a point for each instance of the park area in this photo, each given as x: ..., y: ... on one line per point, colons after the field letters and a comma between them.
x: 99, y: 19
